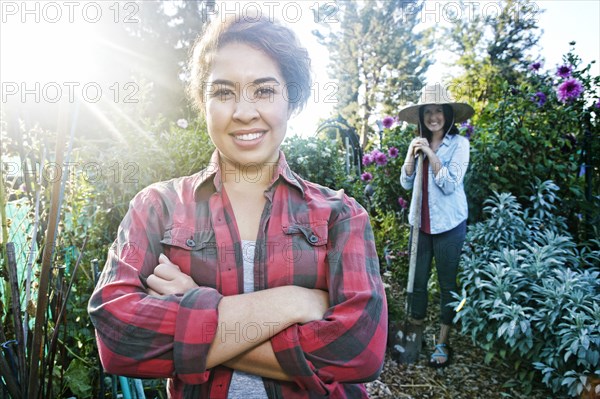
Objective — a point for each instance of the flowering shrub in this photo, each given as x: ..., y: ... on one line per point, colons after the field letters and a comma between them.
x: 538, y: 129
x: 382, y: 170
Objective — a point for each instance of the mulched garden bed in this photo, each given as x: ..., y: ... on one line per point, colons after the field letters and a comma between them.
x: 467, y: 377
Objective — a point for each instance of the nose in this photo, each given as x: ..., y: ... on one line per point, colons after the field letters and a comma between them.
x: 246, y: 109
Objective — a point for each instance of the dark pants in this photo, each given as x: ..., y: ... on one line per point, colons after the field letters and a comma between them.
x: 446, y: 248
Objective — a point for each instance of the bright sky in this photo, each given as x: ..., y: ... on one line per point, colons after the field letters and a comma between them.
x: 69, y: 58
x: 562, y: 22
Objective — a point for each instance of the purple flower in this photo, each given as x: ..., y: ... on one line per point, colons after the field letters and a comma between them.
x: 402, y: 202
x: 380, y: 158
x: 366, y: 177
x: 569, y: 90
x: 393, y: 152
x: 564, y: 71
x: 387, y: 122
x: 367, y: 159
x: 535, y: 66
x: 597, y: 105
x: 468, y: 128
x: 539, y: 98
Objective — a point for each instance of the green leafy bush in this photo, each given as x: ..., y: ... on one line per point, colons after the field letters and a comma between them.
x: 532, y: 295
x: 317, y: 160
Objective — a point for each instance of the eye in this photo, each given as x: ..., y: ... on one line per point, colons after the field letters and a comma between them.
x: 223, y: 93
x: 264, y: 92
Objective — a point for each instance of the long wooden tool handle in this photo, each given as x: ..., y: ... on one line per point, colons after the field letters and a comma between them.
x: 414, y: 242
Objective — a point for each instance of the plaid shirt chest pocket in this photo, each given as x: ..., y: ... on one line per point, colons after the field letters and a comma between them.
x: 194, y: 251
x: 305, y: 253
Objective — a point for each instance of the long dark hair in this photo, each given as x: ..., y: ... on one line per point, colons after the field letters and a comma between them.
x: 449, y: 125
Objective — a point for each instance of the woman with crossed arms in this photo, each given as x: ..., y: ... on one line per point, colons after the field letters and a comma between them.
x: 244, y: 280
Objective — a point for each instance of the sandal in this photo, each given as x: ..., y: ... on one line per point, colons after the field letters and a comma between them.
x: 439, y: 353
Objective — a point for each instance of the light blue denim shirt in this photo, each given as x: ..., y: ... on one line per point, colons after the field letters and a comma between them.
x: 447, y: 200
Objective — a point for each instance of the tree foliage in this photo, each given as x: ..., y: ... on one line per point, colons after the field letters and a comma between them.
x: 492, y: 48
x: 378, y: 57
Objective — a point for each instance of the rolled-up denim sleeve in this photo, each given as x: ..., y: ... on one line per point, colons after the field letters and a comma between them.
x: 406, y: 181
x: 452, y: 173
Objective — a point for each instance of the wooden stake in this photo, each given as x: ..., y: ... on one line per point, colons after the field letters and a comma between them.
x: 37, y: 349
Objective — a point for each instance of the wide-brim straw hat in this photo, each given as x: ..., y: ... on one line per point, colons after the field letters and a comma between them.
x: 434, y: 95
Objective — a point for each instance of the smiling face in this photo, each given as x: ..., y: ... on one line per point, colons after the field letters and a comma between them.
x: 433, y: 118
x: 246, y: 107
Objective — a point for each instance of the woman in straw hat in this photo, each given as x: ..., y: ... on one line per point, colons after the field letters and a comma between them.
x: 444, y: 204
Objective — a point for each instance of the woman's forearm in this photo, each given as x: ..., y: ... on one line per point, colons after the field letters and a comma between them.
x: 248, y: 320
x: 245, y: 321
x: 260, y: 361
x: 409, y: 165
x: 434, y: 162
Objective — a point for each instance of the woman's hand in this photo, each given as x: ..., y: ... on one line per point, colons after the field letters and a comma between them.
x: 168, y: 279
x: 419, y: 144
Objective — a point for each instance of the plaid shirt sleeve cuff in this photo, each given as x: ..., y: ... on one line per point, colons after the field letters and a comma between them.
x: 196, y: 326
x: 290, y: 355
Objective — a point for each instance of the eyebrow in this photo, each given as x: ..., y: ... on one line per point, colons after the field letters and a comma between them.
x: 258, y: 81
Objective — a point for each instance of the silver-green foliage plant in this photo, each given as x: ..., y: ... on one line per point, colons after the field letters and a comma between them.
x: 533, y: 295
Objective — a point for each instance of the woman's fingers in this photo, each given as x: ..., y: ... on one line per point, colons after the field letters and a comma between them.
x: 166, y: 269
x: 155, y: 284
x: 168, y: 279
x: 162, y: 259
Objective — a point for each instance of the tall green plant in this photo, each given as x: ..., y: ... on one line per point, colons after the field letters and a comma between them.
x: 492, y: 49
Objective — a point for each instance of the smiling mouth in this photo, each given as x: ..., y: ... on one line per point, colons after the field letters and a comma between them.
x: 249, y: 136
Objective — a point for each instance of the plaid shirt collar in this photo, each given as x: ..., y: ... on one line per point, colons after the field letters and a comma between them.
x: 209, y: 180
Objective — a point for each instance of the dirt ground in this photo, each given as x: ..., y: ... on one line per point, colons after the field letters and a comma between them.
x: 467, y: 377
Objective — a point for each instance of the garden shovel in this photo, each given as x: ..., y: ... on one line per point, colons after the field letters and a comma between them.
x: 409, y: 339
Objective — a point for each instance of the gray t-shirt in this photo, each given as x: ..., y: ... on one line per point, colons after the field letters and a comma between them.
x: 244, y: 385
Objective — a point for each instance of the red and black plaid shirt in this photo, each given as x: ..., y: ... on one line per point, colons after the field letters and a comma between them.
x: 309, y: 236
